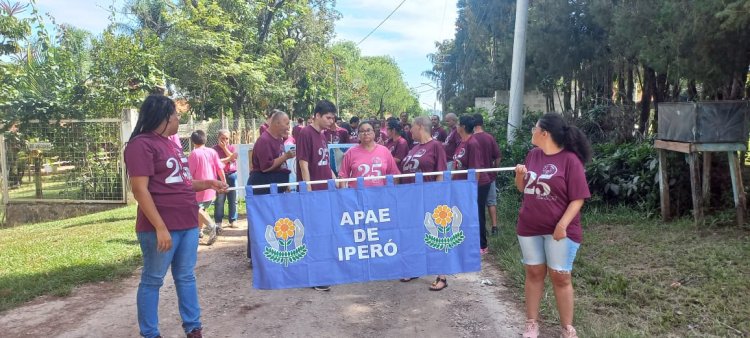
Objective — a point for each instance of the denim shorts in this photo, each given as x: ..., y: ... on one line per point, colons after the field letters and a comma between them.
x: 558, y: 255
x: 492, y: 195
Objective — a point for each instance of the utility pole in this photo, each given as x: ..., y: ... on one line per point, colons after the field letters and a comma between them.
x: 518, y: 69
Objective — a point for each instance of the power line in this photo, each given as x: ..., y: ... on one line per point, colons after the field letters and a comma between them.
x: 381, y: 23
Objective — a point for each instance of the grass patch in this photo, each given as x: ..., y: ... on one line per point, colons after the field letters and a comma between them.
x: 53, y: 187
x: 636, y: 276
x: 52, y: 258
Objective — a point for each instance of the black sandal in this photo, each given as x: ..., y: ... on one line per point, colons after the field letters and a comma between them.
x: 405, y: 280
x: 434, y: 287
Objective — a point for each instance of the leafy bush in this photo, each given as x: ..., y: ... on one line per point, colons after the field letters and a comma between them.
x: 625, y: 173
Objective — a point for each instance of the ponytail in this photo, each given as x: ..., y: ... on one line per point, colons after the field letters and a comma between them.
x: 577, y: 142
x: 567, y: 136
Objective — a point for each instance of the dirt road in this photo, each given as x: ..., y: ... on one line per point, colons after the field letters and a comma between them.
x: 232, y: 308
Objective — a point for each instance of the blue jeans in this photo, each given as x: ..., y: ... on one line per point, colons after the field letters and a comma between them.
x: 181, y: 257
x: 231, y: 196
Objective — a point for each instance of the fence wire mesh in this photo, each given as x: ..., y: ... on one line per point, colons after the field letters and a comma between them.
x: 241, y: 131
x: 66, y: 160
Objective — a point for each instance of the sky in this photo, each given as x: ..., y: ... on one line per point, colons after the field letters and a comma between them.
x: 407, y: 36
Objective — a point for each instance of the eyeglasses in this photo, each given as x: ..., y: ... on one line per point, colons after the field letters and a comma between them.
x: 366, y: 131
x: 535, y: 128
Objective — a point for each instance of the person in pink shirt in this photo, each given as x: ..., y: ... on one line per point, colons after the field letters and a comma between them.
x: 553, y: 182
x: 167, y: 218
x: 205, y: 164
x: 176, y: 139
x: 396, y: 143
x: 367, y: 159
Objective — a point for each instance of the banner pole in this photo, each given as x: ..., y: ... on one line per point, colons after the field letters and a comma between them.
x: 434, y: 173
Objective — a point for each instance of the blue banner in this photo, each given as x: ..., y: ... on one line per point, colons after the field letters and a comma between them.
x: 340, y: 236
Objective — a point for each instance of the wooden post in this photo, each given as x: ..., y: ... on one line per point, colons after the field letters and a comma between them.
x: 695, y: 186
x: 706, y: 179
x: 38, y: 175
x: 663, y: 185
x: 738, y: 190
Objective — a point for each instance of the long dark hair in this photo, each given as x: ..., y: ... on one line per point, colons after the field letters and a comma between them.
x: 396, y: 126
x: 154, y: 110
x: 566, y: 136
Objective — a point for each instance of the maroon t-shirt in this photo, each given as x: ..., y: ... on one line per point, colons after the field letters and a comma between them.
x: 399, y: 148
x: 339, y: 135
x: 552, y: 182
x: 354, y: 136
x: 265, y: 151
x: 490, y: 151
x: 312, y: 147
x: 409, y: 141
x: 451, y: 142
x: 296, y: 130
x: 425, y: 158
x: 469, y: 156
x: 439, y: 133
x: 230, y: 166
x: 169, y: 181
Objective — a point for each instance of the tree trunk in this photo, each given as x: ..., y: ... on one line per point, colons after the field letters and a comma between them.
x: 675, y: 96
x: 649, y: 78
x: 621, y: 96
x: 567, y: 107
x: 692, y: 91
x: 738, y: 87
x: 630, y: 86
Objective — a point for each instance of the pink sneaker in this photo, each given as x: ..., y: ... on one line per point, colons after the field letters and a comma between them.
x: 532, y: 329
x: 568, y: 331
x: 484, y: 251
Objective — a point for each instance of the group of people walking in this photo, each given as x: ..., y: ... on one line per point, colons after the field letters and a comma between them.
x: 173, y: 191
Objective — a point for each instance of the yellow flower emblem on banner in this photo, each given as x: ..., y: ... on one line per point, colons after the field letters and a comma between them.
x: 284, y: 228
x: 442, y: 215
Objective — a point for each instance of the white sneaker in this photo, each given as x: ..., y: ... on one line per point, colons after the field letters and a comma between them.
x: 532, y: 329
x: 568, y: 331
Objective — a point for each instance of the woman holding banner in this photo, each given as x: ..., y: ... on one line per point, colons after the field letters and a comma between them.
x: 426, y: 156
x: 167, y: 216
x: 553, y: 182
x: 367, y: 159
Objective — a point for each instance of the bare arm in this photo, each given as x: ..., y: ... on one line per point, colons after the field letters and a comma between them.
x: 520, y: 174
x: 139, y: 186
x: 304, y: 167
x: 219, y: 186
x: 574, y: 207
x: 280, y: 160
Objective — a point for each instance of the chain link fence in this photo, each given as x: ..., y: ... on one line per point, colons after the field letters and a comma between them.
x: 241, y: 132
x: 69, y: 160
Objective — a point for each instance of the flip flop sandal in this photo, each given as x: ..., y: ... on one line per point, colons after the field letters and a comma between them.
x: 435, y: 283
x: 405, y: 280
